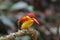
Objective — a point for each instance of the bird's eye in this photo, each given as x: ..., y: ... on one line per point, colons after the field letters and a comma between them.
x: 31, y: 17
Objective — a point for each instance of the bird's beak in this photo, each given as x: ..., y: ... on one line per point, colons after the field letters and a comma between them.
x: 35, y: 20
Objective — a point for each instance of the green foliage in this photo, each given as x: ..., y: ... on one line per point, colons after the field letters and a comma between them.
x: 1, y: 0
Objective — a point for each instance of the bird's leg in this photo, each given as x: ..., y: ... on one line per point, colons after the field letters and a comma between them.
x: 27, y: 30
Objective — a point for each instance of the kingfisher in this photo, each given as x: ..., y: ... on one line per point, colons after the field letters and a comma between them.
x: 27, y: 21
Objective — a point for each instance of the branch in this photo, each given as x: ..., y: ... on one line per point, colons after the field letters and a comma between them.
x: 12, y: 36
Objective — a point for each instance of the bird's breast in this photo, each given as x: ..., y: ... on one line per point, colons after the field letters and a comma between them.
x: 26, y: 24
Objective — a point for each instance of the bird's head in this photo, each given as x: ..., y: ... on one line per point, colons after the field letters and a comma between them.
x: 28, y: 17
x: 32, y: 16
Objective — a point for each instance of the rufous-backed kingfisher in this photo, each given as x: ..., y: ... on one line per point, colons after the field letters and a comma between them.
x: 27, y: 21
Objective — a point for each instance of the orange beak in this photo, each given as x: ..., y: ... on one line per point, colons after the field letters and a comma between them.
x: 35, y: 20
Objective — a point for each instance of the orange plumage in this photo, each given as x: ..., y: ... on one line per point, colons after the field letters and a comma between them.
x: 27, y: 21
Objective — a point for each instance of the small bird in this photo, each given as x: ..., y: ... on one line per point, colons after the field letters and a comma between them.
x: 27, y: 21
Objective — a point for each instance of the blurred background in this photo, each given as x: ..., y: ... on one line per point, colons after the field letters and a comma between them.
x: 47, y: 13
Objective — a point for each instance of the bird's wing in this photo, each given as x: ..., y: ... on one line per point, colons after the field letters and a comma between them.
x: 27, y: 24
